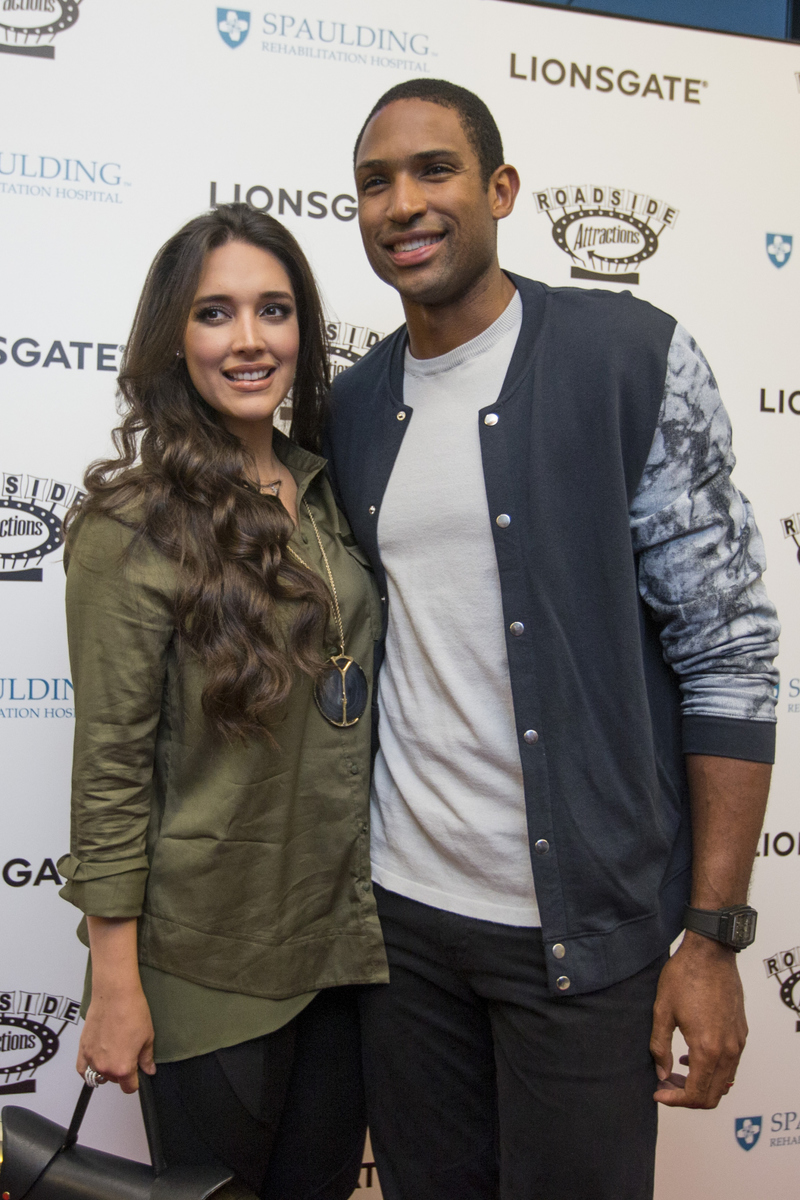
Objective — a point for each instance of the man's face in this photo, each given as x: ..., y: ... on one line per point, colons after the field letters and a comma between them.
x: 426, y: 218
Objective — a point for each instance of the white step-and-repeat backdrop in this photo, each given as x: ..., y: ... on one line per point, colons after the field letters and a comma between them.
x: 654, y: 158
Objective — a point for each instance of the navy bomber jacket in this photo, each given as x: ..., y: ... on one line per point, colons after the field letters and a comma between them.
x: 637, y: 627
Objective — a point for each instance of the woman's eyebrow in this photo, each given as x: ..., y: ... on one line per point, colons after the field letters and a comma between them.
x: 220, y: 297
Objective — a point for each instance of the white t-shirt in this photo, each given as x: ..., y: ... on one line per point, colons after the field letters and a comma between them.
x: 448, y: 806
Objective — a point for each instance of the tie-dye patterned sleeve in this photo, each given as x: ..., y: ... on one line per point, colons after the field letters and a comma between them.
x: 701, y: 556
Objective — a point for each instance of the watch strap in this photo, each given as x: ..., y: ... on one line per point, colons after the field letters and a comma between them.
x: 707, y: 921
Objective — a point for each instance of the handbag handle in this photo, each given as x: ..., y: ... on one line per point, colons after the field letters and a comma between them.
x: 77, y: 1117
x: 149, y: 1115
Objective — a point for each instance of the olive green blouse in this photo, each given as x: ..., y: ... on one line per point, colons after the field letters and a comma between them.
x: 246, y: 864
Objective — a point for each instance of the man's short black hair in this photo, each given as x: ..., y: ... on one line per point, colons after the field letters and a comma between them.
x: 478, y: 123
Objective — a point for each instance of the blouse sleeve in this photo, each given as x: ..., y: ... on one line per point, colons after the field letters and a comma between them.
x: 120, y: 606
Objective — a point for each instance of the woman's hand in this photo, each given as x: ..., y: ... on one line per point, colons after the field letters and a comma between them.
x: 117, y: 1036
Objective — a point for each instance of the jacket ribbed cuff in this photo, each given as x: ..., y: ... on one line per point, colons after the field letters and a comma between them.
x: 730, y: 737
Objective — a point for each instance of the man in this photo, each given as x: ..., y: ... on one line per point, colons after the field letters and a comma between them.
x: 576, y: 702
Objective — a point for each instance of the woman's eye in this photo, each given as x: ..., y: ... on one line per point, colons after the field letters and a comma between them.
x: 275, y: 310
x: 212, y: 313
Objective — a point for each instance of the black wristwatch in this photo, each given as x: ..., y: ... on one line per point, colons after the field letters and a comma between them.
x: 734, y: 926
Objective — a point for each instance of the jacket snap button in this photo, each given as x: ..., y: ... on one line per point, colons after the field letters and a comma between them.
x: 372, y: 510
x: 562, y: 983
x: 491, y: 419
x: 504, y: 520
x: 401, y: 416
x: 530, y: 736
x: 542, y: 846
x: 517, y: 628
x: 558, y: 950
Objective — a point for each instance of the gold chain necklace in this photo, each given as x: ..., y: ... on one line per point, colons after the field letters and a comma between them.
x: 341, y: 693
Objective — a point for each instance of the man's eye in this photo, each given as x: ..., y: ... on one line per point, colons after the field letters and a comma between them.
x: 372, y: 182
x: 438, y: 169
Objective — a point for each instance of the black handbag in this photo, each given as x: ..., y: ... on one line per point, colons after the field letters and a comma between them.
x: 43, y: 1161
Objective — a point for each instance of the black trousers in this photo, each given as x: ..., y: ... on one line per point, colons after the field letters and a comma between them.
x: 284, y: 1111
x: 482, y: 1084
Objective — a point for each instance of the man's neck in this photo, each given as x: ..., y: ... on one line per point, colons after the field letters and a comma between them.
x: 437, y: 329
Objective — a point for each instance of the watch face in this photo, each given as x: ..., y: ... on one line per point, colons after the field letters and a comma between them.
x: 743, y: 929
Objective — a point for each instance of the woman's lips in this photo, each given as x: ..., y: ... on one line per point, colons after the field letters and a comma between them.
x: 250, y: 379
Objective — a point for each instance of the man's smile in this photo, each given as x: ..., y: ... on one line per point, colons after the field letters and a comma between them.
x: 412, y: 248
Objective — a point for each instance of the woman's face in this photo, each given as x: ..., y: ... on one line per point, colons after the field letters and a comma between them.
x: 242, y: 338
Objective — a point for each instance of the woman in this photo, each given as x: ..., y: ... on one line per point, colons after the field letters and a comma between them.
x: 215, y: 600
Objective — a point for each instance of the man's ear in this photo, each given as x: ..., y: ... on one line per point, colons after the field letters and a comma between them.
x: 503, y: 190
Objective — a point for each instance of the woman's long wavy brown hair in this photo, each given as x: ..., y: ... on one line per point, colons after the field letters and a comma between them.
x: 180, y: 478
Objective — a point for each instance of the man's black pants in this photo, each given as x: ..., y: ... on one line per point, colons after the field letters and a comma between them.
x: 483, y: 1084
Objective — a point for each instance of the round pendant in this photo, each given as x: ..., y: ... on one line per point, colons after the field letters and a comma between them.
x: 341, y: 693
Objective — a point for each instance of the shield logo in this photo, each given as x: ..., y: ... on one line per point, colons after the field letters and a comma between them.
x: 233, y: 26
x: 748, y: 1131
x: 779, y: 248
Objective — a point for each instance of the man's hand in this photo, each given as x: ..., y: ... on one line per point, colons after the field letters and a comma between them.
x: 699, y: 993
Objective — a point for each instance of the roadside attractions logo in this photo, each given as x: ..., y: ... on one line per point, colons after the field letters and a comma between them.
x: 54, y: 177
x: 31, y: 1027
x: 784, y: 967
x: 316, y: 205
x: 605, y: 231
x: 331, y: 40
x: 645, y: 85
x: 31, y: 512
x: 30, y: 26
x: 791, y: 525
x: 346, y: 345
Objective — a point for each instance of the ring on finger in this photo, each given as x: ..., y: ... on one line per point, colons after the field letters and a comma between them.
x: 94, y: 1078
